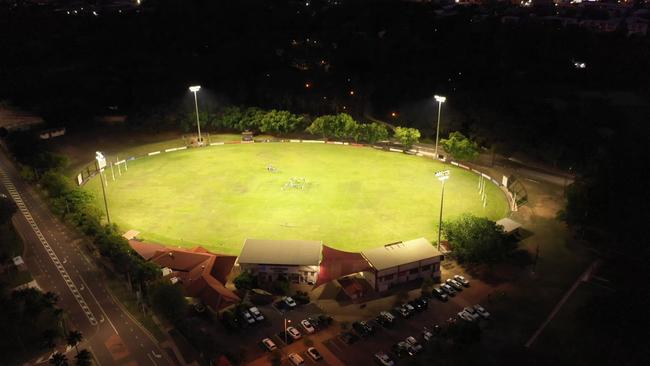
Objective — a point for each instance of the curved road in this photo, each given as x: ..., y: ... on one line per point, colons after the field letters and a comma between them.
x: 56, y: 260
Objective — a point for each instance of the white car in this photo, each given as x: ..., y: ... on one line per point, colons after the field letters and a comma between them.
x: 455, y: 284
x: 481, y: 311
x: 427, y: 335
x: 415, y: 345
x: 269, y: 344
x: 465, y: 316
x: 388, y: 316
x: 257, y: 314
x: 470, y: 310
x: 296, y: 360
x: 462, y: 280
x: 247, y: 317
x: 294, y: 333
x: 307, y: 326
x: 383, y: 359
x: 289, y: 302
x: 314, y: 354
x: 409, y: 307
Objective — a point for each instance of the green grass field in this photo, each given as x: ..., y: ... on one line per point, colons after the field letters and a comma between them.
x: 355, y: 197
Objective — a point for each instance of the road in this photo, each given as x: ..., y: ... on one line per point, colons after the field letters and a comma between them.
x: 57, y: 261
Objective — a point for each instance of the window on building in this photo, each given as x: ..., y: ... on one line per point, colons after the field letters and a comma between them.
x: 413, y: 271
x: 403, y: 273
x: 387, y: 277
x: 426, y: 268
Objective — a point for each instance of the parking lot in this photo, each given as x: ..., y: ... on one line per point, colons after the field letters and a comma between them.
x: 360, y: 352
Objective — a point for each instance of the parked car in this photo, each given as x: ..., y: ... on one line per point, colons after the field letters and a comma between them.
x: 269, y: 344
x: 481, y: 311
x: 453, y: 283
x: 409, y: 307
x: 471, y: 311
x: 424, y: 300
x: 289, y: 302
x: 294, y: 333
x: 348, y: 337
x: 257, y: 314
x: 390, y: 317
x: 401, y: 349
x: 417, y: 306
x: 448, y: 289
x: 314, y: 354
x: 415, y: 345
x: 362, y: 328
x: 383, y: 359
x: 296, y: 360
x: 307, y: 326
x: 402, y: 311
x: 462, y: 280
x: 440, y: 294
x: 246, y: 316
x: 383, y: 321
x: 427, y: 335
x: 465, y: 316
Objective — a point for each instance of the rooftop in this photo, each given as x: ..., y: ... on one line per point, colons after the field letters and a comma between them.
x: 509, y: 225
x: 281, y: 252
x: 400, y: 253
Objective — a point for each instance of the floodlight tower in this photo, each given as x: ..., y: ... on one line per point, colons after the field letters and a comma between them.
x: 442, y: 177
x: 440, y: 99
x: 100, y: 160
x: 194, y: 89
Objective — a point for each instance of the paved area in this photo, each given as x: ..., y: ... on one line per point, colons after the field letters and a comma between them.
x: 58, y: 262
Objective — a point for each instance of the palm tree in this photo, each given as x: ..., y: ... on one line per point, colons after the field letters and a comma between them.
x: 73, y: 339
x: 59, y: 359
x: 83, y: 358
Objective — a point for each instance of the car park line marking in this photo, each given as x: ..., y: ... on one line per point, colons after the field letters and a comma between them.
x: 22, y: 207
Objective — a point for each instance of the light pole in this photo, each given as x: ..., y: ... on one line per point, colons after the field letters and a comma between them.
x: 194, y: 89
x: 440, y: 99
x: 442, y: 177
x: 286, y: 321
x: 100, y: 160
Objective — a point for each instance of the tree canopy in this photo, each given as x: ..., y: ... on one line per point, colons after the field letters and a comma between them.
x: 168, y: 299
x: 407, y: 136
x: 477, y: 240
x: 460, y: 147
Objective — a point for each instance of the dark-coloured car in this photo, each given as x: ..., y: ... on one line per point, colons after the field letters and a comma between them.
x: 348, y: 337
x: 417, y: 305
x: 363, y: 328
x: 401, y: 349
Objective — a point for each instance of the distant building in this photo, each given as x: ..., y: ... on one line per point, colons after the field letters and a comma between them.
x: 296, y: 260
x: 401, y: 262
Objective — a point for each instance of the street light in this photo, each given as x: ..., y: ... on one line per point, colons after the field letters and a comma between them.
x: 286, y: 321
x: 442, y: 177
x: 440, y: 99
x: 194, y: 89
x: 100, y: 161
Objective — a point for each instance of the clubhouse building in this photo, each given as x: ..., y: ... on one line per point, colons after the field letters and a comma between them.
x: 311, y: 262
x: 295, y: 260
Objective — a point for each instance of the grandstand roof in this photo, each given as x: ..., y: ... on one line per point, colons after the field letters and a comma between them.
x: 400, y: 253
x: 281, y: 252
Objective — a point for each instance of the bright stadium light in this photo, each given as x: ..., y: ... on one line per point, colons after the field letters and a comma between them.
x: 194, y: 89
x: 440, y: 99
x: 442, y: 176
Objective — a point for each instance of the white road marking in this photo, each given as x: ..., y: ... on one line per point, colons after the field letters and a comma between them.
x: 22, y: 207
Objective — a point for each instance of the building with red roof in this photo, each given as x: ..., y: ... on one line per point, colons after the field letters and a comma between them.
x: 202, y: 273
